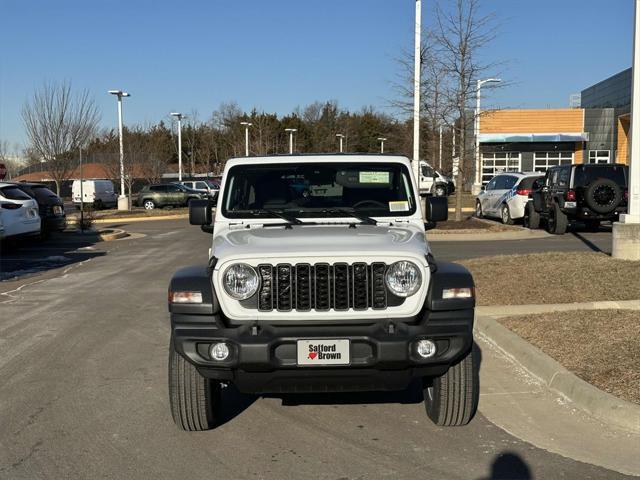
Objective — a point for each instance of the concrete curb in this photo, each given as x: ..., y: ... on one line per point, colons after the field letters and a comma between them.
x: 497, y: 311
x: 601, y: 405
x: 141, y: 219
x: 523, y: 234
x: 114, y: 234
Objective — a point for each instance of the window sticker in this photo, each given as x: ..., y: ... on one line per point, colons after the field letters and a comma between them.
x: 399, y: 206
x: 374, y: 177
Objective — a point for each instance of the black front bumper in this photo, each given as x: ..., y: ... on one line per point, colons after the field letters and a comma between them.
x: 263, y: 356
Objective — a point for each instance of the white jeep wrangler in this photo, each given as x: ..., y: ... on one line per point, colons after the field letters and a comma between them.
x: 320, y: 279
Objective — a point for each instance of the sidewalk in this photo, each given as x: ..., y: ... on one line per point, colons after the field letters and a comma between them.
x: 522, y: 405
x: 601, y: 406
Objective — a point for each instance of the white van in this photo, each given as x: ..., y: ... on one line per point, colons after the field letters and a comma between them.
x: 99, y: 193
x: 433, y: 182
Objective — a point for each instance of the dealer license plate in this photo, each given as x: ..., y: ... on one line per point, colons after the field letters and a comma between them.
x: 323, y: 352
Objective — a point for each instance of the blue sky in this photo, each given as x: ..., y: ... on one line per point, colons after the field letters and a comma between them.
x: 277, y: 54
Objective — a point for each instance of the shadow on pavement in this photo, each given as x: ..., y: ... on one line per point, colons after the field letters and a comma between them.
x: 509, y: 466
x: 588, y: 242
x: 232, y: 403
x: 30, y: 256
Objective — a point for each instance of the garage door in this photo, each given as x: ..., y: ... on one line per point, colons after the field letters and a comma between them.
x: 498, y: 162
x: 544, y: 160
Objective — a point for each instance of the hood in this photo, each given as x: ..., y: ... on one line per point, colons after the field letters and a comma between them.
x: 319, y: 240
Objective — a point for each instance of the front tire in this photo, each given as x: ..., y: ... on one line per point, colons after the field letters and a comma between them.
x: 479, y: 210
x: 557, y: 221
x: 440, y: 191
x: 148, y: 205
x: 452, y: 399
x: 531, y: 218
x: 192, y: 397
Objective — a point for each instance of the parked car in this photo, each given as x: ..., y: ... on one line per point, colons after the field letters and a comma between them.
x: 318, y: 293
x: 433, y: 182
x: 167, y: 195
x: 590, y: 194
x: 204, y: 186
x: 505, y: 196
x: 97, y: 193
x: 20, y: 215
x: 50, y: 206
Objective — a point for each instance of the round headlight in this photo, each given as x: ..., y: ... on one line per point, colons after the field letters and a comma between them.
x: 240, y: 281
x: 403, y: 278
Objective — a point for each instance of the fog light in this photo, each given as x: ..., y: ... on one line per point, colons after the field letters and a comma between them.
x: 219, y: 351
x: 426, y: 348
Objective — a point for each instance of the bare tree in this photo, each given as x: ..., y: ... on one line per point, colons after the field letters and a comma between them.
x: 57, y: 122
x: 460, y: 35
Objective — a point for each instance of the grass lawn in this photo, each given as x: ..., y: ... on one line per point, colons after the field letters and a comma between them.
x: 565, y: 277
x: 600, y: 346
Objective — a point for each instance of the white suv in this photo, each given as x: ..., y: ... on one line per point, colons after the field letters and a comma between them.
x: 505, y: 196
x: 20, y: 214
x: 320, y: 279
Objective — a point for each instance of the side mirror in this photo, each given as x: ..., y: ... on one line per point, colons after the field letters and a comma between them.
x: 200, y: 212
x: 483, y: 188
x: 437, y: 209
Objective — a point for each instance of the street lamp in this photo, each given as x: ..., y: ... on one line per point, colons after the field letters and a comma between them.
x: 626, y: 232
x: 340, y: 137
x: 478, y: 181
x: 179, y: 116
x: 291, y: 131
x: 381, y: 140
x: 246, y: 137
x: 123, y: 203
x: 417, y: 53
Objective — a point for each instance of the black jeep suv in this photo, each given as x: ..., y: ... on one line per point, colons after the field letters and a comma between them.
x: 589, y: 194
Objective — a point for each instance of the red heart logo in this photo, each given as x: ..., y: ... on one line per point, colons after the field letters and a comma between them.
x: 313, y: 355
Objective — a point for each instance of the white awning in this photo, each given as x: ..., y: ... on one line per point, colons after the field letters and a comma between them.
x: 533, y: 137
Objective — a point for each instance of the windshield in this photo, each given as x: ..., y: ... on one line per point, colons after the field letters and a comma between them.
x: 586, y: 175
x: 319, y: 190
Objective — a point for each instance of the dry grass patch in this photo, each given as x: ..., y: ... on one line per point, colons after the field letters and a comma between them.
x: 566, y: 277
x: 600, y: 346
x: 470, y: 224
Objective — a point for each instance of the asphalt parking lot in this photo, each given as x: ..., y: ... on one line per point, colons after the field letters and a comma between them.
x: 83, y: 353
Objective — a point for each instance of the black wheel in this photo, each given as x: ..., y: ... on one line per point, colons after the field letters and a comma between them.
x: 557, y: 221
x: 478, y: 209
x: 148, y: 204
x: 531, y: 217
x: 98, y: 205
x: 192, y: 397
x: 505, y: 215
x: 603, y: 195
x: 452, y: 399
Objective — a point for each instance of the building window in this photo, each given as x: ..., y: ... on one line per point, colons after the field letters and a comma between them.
x: 544, y: 160
x: 494, y: 163
x: 599, y: 156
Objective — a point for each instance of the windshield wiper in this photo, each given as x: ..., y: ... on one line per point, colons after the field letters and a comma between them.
x: 364, y: 219
x: 290, y: 219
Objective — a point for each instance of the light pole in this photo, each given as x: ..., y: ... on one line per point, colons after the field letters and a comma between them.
x: 381, y: 140
x: 123, y: 203
x: 291, y: 131
x: 440, y: 151
x: 477, y: 184
x: 179, y: 116
x: 246, y: 137
x: 340, y: 137
x: 626, y: 232
x: 417, y: 52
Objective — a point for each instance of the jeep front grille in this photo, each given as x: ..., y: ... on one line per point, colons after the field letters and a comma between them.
x: 322, y: 287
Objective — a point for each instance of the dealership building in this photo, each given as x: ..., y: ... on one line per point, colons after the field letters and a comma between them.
x: 534, y: 140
